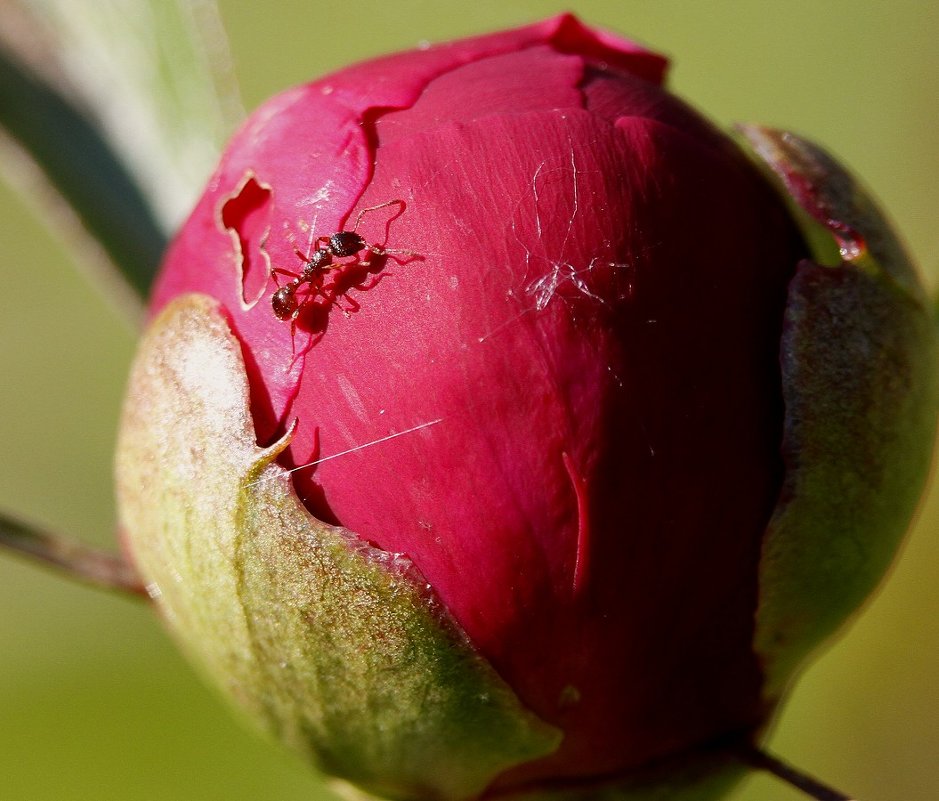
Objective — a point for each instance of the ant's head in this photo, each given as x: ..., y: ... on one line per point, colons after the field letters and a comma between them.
x: 346, y: 243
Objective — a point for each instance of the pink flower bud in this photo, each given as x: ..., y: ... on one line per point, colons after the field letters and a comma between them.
x: 545, y: 375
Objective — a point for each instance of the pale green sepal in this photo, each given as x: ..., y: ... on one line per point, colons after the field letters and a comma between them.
x: 339, y: 649
x: 859, y: 362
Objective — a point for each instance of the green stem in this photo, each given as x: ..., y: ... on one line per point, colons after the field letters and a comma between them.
x: 95, y: 566
x: 794, y: 777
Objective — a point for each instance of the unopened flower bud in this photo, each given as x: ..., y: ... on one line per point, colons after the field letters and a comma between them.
x: 495, y: 431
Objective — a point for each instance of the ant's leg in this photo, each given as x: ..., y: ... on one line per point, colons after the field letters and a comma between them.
x: 317, y: 289
x: 384, y: 205
x: 275, y: 271
x: 380, y: 251
x: 311, y: 341
x: 293, y: 335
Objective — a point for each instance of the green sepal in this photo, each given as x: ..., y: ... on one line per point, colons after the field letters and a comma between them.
x: 817, y: 185
x: 339, y: 649
x: 859, y: 361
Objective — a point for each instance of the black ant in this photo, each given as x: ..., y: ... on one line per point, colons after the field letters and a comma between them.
x: 284, y: 300
x: 339, y: 245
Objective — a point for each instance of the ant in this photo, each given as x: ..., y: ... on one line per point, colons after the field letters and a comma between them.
x: 284, y: 300
x: 339, y: 245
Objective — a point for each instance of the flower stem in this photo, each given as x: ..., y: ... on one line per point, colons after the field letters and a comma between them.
x: 809, y: 785
x: 95, y: 566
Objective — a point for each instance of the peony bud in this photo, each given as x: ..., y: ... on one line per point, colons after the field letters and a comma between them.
x: 508, y: 491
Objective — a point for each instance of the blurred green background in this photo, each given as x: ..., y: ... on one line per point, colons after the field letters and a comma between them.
x: 96, y: 704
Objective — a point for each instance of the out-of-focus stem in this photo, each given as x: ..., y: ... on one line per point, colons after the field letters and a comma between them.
x: 794, y: 777
x: 95, y: 566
